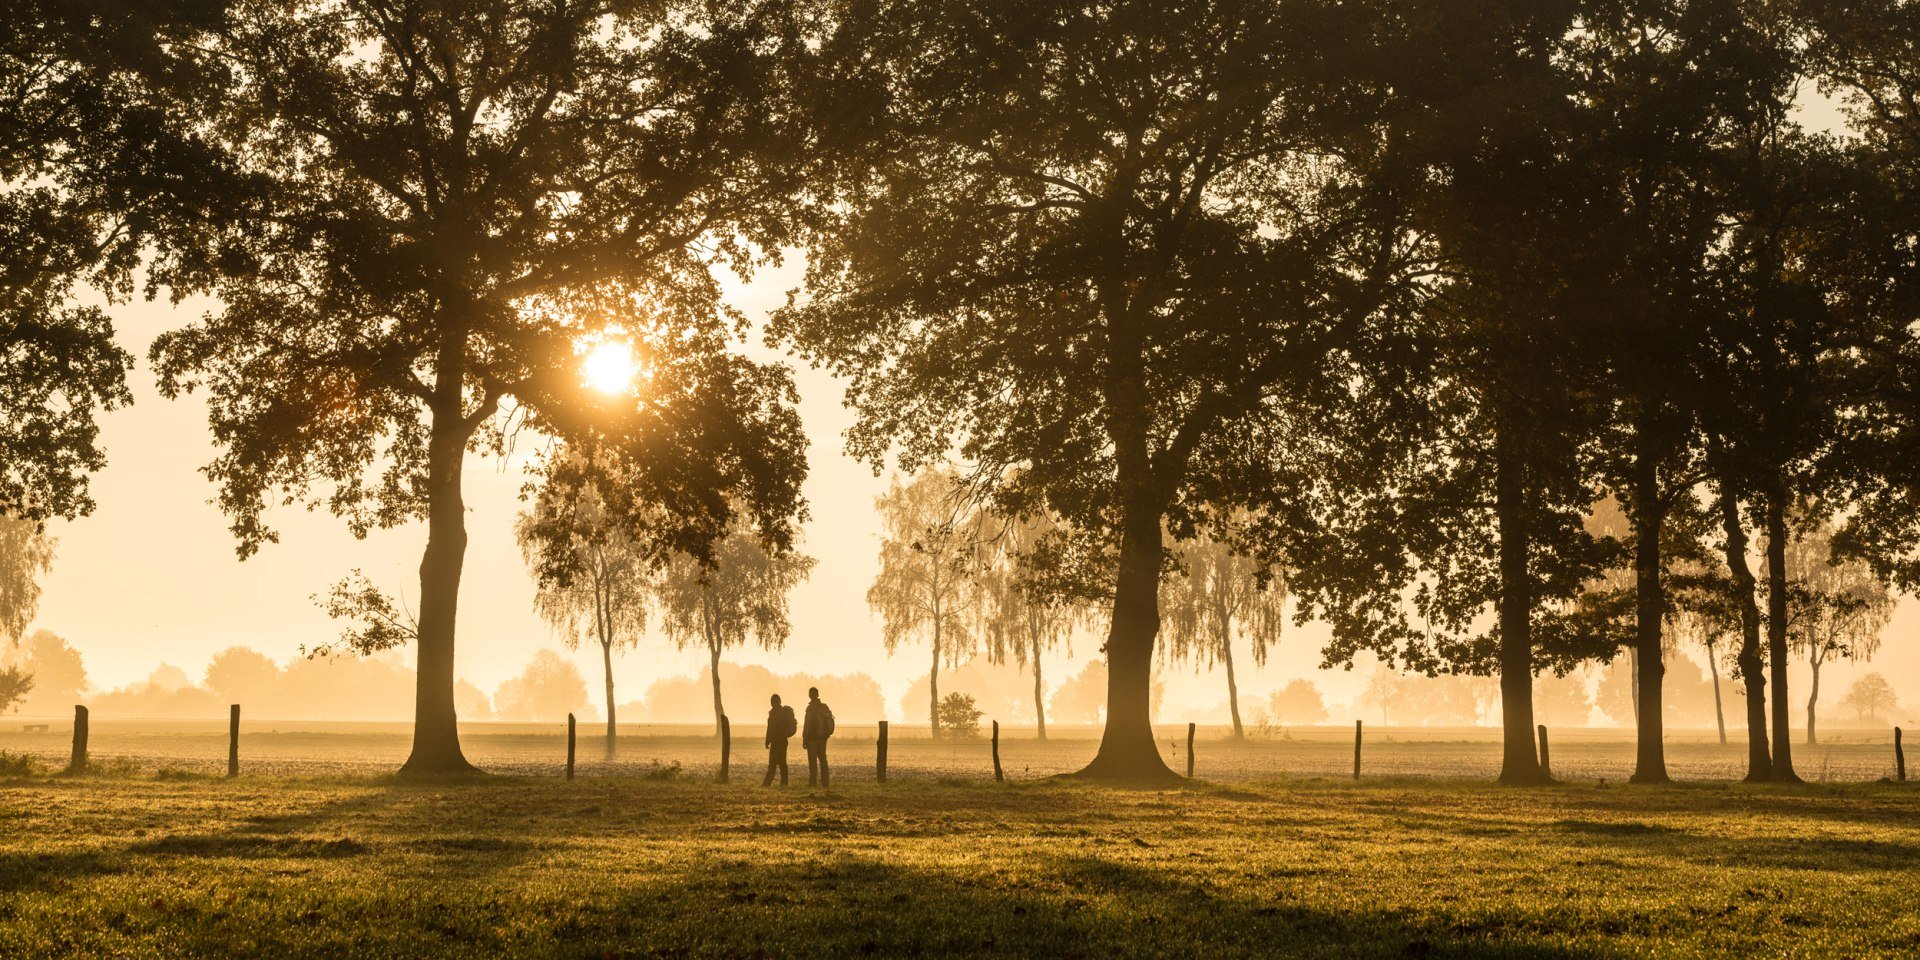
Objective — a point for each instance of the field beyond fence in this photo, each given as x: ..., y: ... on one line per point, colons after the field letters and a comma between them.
x: 298, y: 748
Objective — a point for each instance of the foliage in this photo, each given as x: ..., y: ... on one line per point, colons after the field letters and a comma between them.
x: 1870, y: 696
x: 1127, y: 320
x: 19, y: 764
x: 26, y: 554
x: 588, y: 567
x: 1298, y: 702
x: 1837, y: 607
x: 59, y: 673
x: 377, y: 622
x: 14, y: 685
x: 930, y: 566
x: 1220, y: 595
x: 959, y: 716
x: 547, y: 690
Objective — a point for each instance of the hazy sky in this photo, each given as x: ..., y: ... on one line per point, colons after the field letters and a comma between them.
x: 151, y: 576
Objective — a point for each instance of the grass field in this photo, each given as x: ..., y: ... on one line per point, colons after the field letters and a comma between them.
x: 674, y: 865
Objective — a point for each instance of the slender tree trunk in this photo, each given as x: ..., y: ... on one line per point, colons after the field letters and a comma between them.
x: 1519, y: 763
x: 1233, y: 687
x: 713, y: 670
x: 1039, y: 695
x: 1650, y: 758
x: 436, y: 734
x: 1127, y: 749
x: 1813, y: 698
x: 606, y: 665
x: 1752, y: 669
x: 933, y: 683
x: 1777, y: 637
x: 1719, y: 714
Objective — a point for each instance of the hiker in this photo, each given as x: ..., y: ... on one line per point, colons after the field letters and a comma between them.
x: 814, y: 737
x: 781, y: 726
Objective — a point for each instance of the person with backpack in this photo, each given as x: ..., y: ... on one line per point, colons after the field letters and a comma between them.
x: 781, y: 726
x: 814, y: 738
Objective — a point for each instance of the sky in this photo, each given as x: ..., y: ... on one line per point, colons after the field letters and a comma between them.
x: 152, y: 577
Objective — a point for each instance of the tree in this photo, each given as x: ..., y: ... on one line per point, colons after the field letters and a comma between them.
x: 1219, y: 593
x: 1836, y: 608
x: 1298, y: 702
x: 59, y: 674
x: 1869, y: 695
x: 587, y: 566
x: 1025, y: 613
x: 83, y: 145
x: 26, y: 553
x: 1133, y: 309
x: 958, y: 714
x: 240, y: 674
x: 1706, y: 613
x: 15, y: 684
x: 486, y: 194
x: 738, y: 595
x: 549, y: 688
x: 929, y: 559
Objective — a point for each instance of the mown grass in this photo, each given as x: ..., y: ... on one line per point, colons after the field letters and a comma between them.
x: 664, y: 866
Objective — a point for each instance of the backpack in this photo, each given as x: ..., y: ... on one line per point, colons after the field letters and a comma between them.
x: 788, y: 725
x: 827, y: 725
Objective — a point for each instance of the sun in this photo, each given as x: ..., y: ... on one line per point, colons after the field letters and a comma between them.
x: 609, y: 367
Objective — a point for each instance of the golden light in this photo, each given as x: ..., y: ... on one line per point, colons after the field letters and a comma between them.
x: 609, y: 367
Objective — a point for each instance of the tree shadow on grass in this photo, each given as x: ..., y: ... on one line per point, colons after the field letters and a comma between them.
x: 865, y: 905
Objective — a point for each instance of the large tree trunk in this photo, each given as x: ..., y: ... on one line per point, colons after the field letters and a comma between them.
x: 436, y: 734
x: 1719, y: 713
x: 1777, y: 638
x: 1519, y: 763
x: 1752, y: 670
x: 1127, y: 749
x: 1650, y: 756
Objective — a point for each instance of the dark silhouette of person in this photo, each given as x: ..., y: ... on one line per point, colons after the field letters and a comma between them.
x: 814, y: 736
x: 780, y: 728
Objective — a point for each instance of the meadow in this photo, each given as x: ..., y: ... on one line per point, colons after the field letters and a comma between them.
x: 650, y: 857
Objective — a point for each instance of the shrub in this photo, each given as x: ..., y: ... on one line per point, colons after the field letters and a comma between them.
x: 959, y: 716
x: 18, y: 764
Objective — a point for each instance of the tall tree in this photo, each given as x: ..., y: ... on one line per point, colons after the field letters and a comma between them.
x: 1673, y: 85
x: 587, y: 566
x: 928, y: 584
x: 738, y: 594
x: 450, y: 205
x: 1836, y: 608
x: 1219, y: 596
x: 1465, y: 566
x: 1025, y: 614
x: 1134, y: 306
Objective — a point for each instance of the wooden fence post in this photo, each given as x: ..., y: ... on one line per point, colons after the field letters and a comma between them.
x: 1190, y: 751
x: 1356, y: 749
x: 997, y: 777
x: 880, y: 754
x: 79, y: 762
x: 233, y: 740
x: 569, y: 745
x: 1899, y: 758
x: 726, y: 748
x: 1546, y: 769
